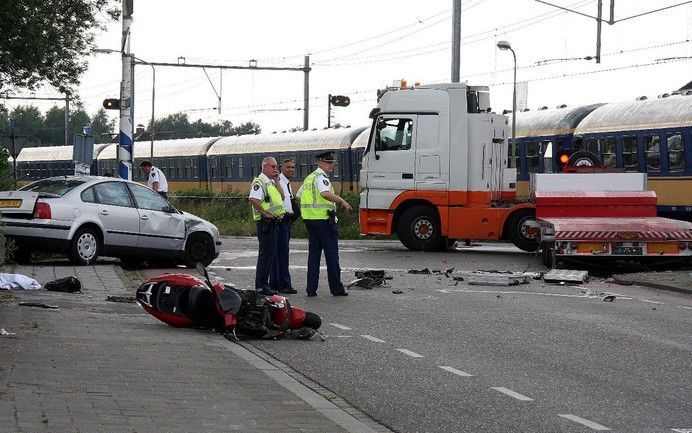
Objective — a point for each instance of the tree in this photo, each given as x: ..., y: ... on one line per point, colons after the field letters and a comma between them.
x: 248, y: 128
x: 29, y: 122
x: 47, y: 40
x: 102, y: 127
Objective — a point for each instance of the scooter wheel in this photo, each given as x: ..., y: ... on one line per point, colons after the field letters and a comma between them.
x: 312, y: 320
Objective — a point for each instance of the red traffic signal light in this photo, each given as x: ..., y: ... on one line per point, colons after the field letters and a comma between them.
x: 340, y: 101
x: 111, y: 104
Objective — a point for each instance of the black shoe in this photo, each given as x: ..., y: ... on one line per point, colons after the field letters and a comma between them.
x: 266, y: 292
x: 344, y: 293
x: 288, y: 291
x: 310, y: 295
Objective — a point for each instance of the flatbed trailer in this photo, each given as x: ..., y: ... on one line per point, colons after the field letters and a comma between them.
x: 608, y: 225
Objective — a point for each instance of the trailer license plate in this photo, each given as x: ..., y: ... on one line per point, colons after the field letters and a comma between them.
x: 620, y: 250
x: 10, y: 203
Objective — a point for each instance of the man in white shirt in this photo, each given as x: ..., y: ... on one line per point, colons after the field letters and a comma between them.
x: 156, y: 180
x: 280, y: 279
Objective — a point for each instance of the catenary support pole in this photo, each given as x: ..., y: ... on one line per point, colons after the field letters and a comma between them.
x: 126, y: 128
x: 456, y: 41
x: 306, y: 94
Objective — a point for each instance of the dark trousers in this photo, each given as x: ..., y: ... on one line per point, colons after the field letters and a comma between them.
x: 267, y: 236
x: 280, y: 277
x: 323, y: 236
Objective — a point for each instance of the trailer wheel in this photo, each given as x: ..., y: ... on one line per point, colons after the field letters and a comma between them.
x: 419, y: 229
x: 520, y: 232
x: 583, y: 158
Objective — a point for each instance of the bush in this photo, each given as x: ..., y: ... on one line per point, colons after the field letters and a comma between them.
x: 232, y: 214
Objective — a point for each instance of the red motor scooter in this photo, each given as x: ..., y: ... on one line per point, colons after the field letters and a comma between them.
x: 185, y: 301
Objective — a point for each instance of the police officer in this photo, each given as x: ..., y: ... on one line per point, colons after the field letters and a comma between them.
x: 280, y: 279
x: 318, y: 209
x: 156, y: 180
x: 267, y: 211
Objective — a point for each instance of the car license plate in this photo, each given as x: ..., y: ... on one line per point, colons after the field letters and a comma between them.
x: 621, y: 250
x: 10, y: 203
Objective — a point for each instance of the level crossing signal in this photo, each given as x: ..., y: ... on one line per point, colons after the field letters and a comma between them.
x: 111, y: 104
x: 340, y: 101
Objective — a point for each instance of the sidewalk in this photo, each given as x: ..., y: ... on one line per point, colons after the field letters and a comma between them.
x: 98, y: 366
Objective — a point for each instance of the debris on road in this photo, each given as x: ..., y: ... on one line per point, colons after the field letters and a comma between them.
x: 496, y: 278
x: 363, y: 283
x: 66, y: 285
x: 425, y: 271
x: 378, y: 276
x: 3, y: 332
x: 609, y: 298
x: 123, y: 299
x: 38, y: 305
x: 397, y: 291
x: 565, y: 276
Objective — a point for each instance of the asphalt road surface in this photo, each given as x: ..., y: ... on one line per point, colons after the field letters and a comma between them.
x: 446, y: 356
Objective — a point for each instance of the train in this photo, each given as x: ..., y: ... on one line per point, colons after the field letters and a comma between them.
x: 653, y: 136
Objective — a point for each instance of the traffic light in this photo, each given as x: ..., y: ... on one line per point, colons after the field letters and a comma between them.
x: 340, y: 101
x: 111, y: 104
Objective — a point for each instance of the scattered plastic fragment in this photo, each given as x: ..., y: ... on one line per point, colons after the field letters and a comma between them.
x: 363, y: 283
x: 425, y: 271
x: 609, y: 298
x: 123, y: 299
x: 66, y: 285
x: 37, y: 304
x: 3, y: 332
x: 397, y: 291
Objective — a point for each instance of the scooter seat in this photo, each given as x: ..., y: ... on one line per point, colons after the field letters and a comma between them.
x: 199, y: 305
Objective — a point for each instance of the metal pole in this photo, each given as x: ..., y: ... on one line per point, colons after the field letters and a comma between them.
x: 514, y: 107
x: 329, y: 111
x: 599, y: 21
x: 126, y: 127
x: 153, y: 101
x: 306, y: 94
x: 456, y: 41
x: 67, y: 120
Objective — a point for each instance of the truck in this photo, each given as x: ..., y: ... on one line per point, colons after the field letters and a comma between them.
x: 435, y: 171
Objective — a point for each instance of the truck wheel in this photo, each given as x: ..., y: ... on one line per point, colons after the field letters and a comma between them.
x: 522, y: 235
x: 582, y: 158
x: 419, y: 229
x: 85, y: 246
x: 548, y: 254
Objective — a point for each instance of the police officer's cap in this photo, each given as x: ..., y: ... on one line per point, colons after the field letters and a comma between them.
x: 326, y: 156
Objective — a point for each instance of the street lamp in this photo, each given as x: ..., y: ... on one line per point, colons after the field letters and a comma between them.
x: 504, y: 45
x: 153, y: 90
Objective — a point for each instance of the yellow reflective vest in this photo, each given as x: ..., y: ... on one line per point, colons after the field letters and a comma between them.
x: 272, y: 203
x: 312, y: 205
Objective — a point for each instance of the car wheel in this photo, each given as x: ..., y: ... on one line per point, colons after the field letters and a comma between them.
x: 85, y: 246
x: 199, y: 249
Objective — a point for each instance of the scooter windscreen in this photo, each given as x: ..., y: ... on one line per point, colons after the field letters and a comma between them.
x: 230, y: 301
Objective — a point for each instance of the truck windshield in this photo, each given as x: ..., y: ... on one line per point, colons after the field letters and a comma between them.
x: 53, y: 187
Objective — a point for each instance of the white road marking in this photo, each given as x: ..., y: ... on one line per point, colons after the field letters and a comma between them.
x: 687, y: 308
x: 336, y: 325
x: 682, y: 430
x: 516, y: 292
x: 455, y: 371
x: 511, y: 393
x: 409, y: 353
x: 371, y: 338
x: 651, y: 302
x: 590, y: 424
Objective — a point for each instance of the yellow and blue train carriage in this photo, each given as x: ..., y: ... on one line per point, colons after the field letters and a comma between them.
x: 235, y: 161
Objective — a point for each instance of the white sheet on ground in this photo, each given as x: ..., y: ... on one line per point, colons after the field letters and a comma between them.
x: 18, y: 281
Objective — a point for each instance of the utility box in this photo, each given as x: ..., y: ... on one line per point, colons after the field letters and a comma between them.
x: 83, y: 153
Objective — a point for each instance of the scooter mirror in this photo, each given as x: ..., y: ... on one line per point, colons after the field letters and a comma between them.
x: 202, y: 271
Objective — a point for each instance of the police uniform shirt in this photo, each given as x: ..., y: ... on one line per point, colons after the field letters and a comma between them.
x: 256, y: 190
x: 156, y: 175
x: 288, y: 193
x: 322, y: 181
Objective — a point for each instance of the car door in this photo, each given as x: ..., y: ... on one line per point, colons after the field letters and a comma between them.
x: 161, y: 228
x: 118, y: 215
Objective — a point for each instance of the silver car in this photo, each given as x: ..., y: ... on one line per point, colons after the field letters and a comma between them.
x: 90, y: 216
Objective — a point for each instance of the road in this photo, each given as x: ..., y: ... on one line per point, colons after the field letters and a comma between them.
x: 447, y: 356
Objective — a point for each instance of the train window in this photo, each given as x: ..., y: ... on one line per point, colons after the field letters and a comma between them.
x: 630, y: 159
x: 189, y: 165
x: 608, y: 152
x: 179, y: 168
x: 240, y: 167
x: 393, y: 134
x: 532, y: 152
x: 676, y: 157
x: 304, y: 167
x: 593, y: 145
x: 228, y: 167
x: 652, y: 149
x: 547, y: 151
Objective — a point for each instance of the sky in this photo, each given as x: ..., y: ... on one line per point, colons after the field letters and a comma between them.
x: 358, y: 46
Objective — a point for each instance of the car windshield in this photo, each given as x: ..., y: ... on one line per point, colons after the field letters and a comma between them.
x: 53, y: 187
